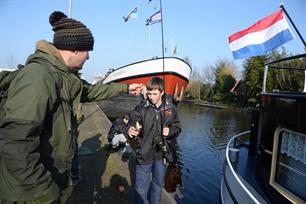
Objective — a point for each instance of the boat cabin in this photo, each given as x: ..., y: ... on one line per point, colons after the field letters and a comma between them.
x: 268, y: 163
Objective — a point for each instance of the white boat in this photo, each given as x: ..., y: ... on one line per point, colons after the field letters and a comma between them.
x: 9, y: 70
x: 174, y: 71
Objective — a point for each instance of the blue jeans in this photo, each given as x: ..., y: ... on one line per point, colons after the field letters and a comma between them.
x: 144, y: 182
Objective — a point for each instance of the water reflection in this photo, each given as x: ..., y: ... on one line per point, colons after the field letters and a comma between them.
x: 199, y: 151
x: 201, y: 147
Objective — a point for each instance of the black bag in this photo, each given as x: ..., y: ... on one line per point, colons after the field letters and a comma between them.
x: 167, y: 152
x: 6, y: 77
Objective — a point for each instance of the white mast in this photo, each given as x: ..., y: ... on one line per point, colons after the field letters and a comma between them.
x: 172, y: 48
x: 149, y: 40
x: 70, y: 7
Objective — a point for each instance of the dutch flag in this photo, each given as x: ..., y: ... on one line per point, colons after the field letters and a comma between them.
x: 262, y: 37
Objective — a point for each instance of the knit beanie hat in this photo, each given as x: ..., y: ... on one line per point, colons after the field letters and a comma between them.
x: 70, y: 34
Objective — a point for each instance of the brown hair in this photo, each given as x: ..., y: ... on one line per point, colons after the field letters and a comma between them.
x: 155, y: 83
x: 126, y: 116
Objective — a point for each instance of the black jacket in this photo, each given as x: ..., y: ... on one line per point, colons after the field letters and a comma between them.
x: 118, y: 126
x: 152, y: 119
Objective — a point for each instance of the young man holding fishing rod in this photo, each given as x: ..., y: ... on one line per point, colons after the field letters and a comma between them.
x: 159, y: 122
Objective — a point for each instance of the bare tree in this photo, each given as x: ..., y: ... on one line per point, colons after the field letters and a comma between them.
x: 225, y: 67
x: 187, y: 60
x: 195, y: 84
x: 208, y: 75
x: 11, y: 61
x: 225, y: 75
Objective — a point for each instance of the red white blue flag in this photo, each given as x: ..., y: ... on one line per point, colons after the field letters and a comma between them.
x: 155, y: 18
x: 262, y: 37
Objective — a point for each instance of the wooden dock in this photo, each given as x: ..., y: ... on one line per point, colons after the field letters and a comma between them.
x: 205, y: 104
x: 210, y: 105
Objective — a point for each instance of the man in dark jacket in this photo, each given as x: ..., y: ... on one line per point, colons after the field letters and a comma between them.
x: 159, y: 122
x: 38, y: 133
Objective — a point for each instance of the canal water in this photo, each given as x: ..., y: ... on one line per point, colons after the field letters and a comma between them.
x: 200, y: 149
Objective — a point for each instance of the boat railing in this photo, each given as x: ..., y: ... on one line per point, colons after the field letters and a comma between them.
x: 243, y: 139
x: 230, y: 144
x: 276, y: 65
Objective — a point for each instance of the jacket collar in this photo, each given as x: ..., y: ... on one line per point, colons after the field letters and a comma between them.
x: 149, y: 104
x: 49, y: 48
x: 161, y: 107
x: 47, y: 51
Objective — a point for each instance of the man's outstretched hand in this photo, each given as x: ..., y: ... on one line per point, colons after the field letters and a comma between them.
x: 135, y: 88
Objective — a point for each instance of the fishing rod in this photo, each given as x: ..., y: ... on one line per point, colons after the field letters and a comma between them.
x: 164, y: 148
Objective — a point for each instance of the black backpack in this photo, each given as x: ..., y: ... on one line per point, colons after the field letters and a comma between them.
x: 6, y: 78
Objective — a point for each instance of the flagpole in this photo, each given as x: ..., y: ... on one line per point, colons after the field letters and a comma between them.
x: 163, y: 46
x: 70, y: 9
x: 292, y: 23
x: 149, y: 43
x: 162, y: 35
x: 300, y: 36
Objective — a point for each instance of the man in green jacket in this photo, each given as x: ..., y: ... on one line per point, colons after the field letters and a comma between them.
x: 38, y: 133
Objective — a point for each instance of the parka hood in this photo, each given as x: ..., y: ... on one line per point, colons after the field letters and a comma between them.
x: 48, y: 48
x: 45, y: 50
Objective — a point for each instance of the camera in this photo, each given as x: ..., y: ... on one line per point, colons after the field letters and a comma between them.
x: 157, y: 143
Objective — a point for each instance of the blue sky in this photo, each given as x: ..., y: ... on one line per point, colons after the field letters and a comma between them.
x: 199, y: 28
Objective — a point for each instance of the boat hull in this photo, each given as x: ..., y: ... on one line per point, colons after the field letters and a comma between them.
x: 173, y: 83
x: 174, y: 71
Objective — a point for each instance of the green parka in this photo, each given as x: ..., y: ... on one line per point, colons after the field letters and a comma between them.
x: 38, y: 132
